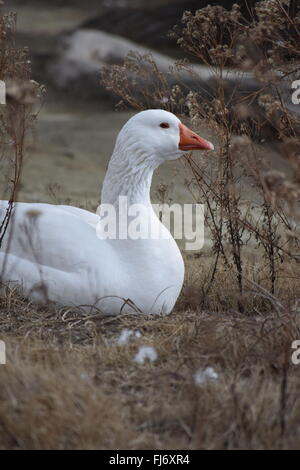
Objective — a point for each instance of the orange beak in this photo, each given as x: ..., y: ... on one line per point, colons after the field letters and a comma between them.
x: 189, y: 140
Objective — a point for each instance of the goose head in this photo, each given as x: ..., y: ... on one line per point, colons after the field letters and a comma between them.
x: 147, y: 140
x: 159, y: 135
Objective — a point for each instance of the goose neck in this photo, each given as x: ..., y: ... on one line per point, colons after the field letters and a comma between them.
x: 129, y: 174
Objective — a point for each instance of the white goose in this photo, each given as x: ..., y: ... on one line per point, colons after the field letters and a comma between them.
x: 56, y: 253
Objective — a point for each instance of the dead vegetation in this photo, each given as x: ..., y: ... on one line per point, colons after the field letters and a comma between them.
x: 17, y: 116
x: 68, y: 384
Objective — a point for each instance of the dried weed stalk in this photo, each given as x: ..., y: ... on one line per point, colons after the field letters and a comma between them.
x: 17, y: 116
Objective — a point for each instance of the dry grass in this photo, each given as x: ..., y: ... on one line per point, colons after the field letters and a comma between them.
x: 68, y: 384
x: 222, y: 295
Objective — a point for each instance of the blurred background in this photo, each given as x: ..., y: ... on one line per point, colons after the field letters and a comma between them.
x: 69, y: 42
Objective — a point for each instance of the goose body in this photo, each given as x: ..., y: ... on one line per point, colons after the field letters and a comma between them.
x: 58, y: 253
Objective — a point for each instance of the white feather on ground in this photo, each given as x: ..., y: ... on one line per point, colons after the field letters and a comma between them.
x: 145, y: 353
x: 203, y: 376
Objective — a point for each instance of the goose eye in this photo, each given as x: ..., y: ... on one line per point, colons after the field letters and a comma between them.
x: 164, y: 125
